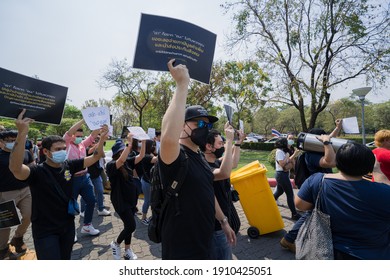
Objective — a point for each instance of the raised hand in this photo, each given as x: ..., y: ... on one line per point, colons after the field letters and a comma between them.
x: 179, y: 73
x: 23, y: 124
x: 229, y: 132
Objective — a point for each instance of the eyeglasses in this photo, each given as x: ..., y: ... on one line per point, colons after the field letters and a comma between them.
x: 202, y: 123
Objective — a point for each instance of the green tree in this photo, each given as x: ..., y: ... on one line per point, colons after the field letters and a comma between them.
x: 244, y: 86
x: 265, y: 119
x: 310, y: 47
x: 134, y: 85
x: 381, y: 116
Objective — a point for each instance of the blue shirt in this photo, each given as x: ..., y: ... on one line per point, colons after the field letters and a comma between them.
x: 359, y: 214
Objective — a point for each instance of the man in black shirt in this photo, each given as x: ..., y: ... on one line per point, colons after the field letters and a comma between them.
x: 214, y: 149
x: 52, y: 227
x: 188, y: 224
x: 13, y: 189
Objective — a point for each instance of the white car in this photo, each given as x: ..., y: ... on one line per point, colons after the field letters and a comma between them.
x: 108, y: 156
x: 249, y: 139
x: 272, y: 140
x: 371, y: 144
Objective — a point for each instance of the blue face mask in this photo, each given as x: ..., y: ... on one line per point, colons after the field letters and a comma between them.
x: 78, y: 140
x: 10, y: 146
x: 59, y: 156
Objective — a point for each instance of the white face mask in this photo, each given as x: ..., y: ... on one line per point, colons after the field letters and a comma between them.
x: 290, y: 142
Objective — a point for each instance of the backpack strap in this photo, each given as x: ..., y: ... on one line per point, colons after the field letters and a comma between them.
x: 174, y: 188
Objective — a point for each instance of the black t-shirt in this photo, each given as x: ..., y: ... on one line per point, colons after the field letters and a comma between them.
x: 146, y: 166
x: 138, y: 166
x: 8, y: 182
x: 49, y: 210
x: 187, y: 234
x: 123, y: 190
x: 222, y: 193
x: 95, y: 170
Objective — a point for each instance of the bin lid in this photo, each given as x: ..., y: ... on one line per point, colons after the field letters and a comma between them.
x: 245, y: 174
x: 252, y: 165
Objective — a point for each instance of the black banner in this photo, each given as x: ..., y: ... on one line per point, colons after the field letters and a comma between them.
x: 161, y: 39
x: 44, y: 102
x: 8, y: 214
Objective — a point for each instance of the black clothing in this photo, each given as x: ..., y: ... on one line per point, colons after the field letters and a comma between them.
x: 95, y: 169
x: 123, y: 190
x: 49, y: 210
x: 124, y: 196
x: 8, y: 182
x: 146, y: 166
x: 188, y: 234
x: 222, y: 193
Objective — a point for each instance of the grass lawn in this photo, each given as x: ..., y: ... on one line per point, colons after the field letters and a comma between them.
x: 247, y: 156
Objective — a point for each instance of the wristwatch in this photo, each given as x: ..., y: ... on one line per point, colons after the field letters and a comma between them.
x: 327, y: 143
x: 223, y: 221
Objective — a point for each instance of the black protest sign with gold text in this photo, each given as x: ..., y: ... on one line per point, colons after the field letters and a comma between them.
x: 161, y: 39
x: 44, y: 102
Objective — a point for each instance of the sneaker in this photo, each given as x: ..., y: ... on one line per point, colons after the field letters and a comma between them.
x: 129, y: 255
x: 145, y: 221
x: 287, y: 245
x: 82, y: 214
x: 116, y: 250
x: 7, y: 254
x: 104, y: 212
x: 295, y: 217
x: 18, y: 243
x: 90, y: 230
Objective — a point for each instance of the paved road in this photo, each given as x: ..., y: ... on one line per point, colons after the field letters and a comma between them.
x: 97, y: 247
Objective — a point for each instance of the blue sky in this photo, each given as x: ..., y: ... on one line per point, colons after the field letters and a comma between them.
x: 72, y: 42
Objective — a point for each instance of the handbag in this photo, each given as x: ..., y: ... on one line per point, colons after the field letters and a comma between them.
x: 73, y: 207
x: 314, y: 240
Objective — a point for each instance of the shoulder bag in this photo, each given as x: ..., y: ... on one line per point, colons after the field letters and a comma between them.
x: 314, y: 240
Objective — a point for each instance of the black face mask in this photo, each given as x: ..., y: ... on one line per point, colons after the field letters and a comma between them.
x: 199, y: 136
x: 219, y: 152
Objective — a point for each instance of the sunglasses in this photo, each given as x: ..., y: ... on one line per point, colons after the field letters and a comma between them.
x: 202, y: 123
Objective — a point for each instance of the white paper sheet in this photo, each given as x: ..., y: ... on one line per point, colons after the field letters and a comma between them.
x: 95, y: 117
x: 350, y: 125
x: 138, y: 133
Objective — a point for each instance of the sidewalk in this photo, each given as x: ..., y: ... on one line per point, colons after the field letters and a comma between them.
x: 266, y: 247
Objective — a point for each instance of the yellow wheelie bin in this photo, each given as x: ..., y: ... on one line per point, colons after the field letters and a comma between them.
x: 257, y: 200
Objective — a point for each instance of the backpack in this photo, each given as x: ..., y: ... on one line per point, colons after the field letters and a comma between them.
x: 301, y: 170
x: 161, y: 195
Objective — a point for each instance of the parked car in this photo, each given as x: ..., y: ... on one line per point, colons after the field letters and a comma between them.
x: 249, y: 139
x: 108, y: 156
x: 371, y: 144
x: 272, y: 140
x: 260, y: 138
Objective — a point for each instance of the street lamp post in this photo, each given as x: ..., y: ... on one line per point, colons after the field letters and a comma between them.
x: 361, y: 93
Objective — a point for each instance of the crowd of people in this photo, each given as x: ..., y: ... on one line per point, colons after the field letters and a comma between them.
x: 46, y: 183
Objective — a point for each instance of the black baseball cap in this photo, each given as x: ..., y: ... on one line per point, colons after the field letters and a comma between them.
x: 197, y: 111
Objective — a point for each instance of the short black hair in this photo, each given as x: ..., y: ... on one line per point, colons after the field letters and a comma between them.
x: 317, y: 131
x: 80, y: 129
x: 210, y: 139
x: 8, y: 134
x: 158, y: 133
x: 355, y: 159
x: 48, y: 141
x: 281, y: 143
